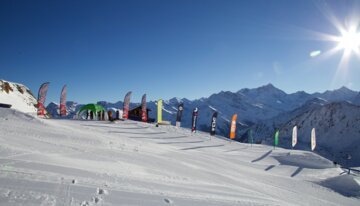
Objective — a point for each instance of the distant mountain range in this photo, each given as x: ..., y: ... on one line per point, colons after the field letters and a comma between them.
x: 252, y: 106
x: 267, y: 108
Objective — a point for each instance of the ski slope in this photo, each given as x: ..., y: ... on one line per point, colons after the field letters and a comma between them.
x: 72, y: 162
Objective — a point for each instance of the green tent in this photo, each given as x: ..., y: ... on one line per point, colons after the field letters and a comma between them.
x: 95, y: 108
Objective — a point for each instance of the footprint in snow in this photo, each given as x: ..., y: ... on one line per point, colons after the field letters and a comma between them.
x: 96, y: 199
x: 85, y: 203
x: 100, y: 191
x: 168, y: 201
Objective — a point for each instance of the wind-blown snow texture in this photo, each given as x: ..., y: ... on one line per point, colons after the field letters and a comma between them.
x: 72, y: 162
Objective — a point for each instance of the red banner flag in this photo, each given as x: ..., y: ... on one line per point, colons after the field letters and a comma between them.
x: 143, y: 109
x: 63, y: 101
x: 41, y: 98
x: 126, y: 105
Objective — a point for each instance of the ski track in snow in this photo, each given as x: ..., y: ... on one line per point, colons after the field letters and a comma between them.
x: 70, y: 162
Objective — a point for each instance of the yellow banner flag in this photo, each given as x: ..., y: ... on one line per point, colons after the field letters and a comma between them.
x: 159, y: 111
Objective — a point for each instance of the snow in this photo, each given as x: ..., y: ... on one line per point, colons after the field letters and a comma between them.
x: 322, y: 99
x: 337, y: 130
x: 211, y: 107
x: 226, y: 119
x: 258, y: 105
x: 24, y: 101
x: 170, y: 112
x: 73, y: 162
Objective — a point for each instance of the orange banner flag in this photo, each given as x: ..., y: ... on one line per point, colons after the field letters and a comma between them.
x: 233, y: 127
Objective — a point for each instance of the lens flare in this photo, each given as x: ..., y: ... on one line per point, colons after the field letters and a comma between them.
x: 315, y: 53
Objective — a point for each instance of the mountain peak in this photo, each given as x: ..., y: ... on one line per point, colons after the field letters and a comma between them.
x: 269, y: 85
x: 344, y: 89
x: 269, y: 88
x: 175, y: 100
x: 53, y: 103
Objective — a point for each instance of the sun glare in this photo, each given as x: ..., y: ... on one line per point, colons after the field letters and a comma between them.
x: 347, y: 41
x: 350, y: 40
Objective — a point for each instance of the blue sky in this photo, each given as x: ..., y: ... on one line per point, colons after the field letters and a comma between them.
x: 188, y: 48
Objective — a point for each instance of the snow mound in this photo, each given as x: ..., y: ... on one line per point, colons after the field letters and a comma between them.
x: 17, y: 95
x: 344, y: 184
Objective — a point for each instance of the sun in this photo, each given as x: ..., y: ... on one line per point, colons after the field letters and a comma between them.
x: 349, y: 41
x: 345, y: 43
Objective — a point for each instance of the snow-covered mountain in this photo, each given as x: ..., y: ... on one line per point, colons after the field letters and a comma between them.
x: 251, y: 105
x: 17, y: 95
x: 53, y: 109
x: 341, y: 94
x: 356, y: 100
x: 71, y: 109
x: 265, y: 128
x: 337, y: 129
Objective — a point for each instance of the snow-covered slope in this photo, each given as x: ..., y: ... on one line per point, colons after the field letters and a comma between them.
x: 72, y: 162
x: 17, y: 95
x: 341, y: 94
x: 337, y: 129
x: 357, y: 99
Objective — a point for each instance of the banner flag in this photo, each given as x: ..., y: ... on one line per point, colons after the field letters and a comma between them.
x: 233, y: 127
x: 126, y: 105
x: 294, y: 136
x: 179, y: 114
x: 194, y: 120
x: 313, y: 139
x: 63, y: 101
x: 143, y: 109
x: 213, y: 124
x: 159, y: 110
x: 276, y: 138
x: 41, y: 98
x: 250, y: 138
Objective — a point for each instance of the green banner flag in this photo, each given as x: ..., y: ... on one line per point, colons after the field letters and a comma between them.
x: 250, y: 137
x: 276, y: 138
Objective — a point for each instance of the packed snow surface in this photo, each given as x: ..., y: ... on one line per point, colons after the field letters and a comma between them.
x: 73, y: 162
